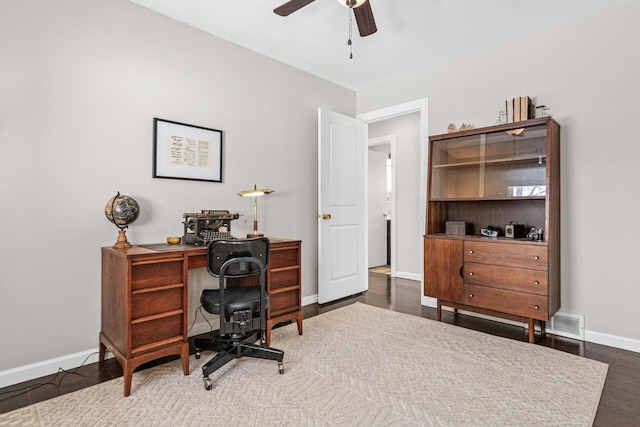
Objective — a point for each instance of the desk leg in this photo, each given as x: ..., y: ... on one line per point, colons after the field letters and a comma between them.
x: 128, y: 368
x: 184, y: 356
x: 299, y: 322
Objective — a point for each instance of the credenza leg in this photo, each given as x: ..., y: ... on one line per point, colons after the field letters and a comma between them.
x: 532, y: 330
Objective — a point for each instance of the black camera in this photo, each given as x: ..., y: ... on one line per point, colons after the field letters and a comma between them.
x: 514, y: 231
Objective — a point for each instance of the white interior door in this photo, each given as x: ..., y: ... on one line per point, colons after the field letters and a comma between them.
x: 342, y: 204
x: 377, y: 207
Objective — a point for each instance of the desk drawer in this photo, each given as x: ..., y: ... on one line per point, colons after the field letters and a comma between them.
x: 284, y: 302
x: 156, y: 302
x: 156, y: 330
x: 156, y: 272
x: 284, y: 278
x: 284, y: 256
x: 515, y: 279
x: 505, y: 301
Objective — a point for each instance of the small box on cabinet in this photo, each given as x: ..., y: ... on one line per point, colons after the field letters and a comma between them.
x: 455, y: 227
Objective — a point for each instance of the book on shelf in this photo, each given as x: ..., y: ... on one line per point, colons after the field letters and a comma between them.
x: 509, y: 109
x: 519, y: 109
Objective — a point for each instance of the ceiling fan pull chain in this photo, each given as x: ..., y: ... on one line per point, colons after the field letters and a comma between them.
x: 349, y: 42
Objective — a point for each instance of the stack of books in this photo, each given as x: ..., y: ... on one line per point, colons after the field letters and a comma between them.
x: 519, y: 109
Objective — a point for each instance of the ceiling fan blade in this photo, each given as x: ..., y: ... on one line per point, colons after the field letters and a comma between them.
x: 291, y: 6
x: 364, y: 18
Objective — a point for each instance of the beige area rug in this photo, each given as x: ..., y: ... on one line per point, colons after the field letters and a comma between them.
x: 354, y: 366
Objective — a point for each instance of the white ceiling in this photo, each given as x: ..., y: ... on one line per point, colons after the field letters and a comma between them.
x: 412, y: 34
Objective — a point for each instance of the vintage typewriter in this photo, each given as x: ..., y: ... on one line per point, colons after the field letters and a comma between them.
x: 208, y: 225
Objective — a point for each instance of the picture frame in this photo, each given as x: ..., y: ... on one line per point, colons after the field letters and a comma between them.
x: 184, y: 151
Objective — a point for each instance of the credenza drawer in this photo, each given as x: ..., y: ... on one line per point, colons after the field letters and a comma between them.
x: 506, y: 301
x: 515, y: 279
x: 507, y: 254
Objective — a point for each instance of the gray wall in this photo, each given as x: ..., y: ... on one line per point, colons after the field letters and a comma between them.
x: 80, y: 84
x: 587, y: 72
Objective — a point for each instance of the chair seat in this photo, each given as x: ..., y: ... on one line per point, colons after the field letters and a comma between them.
x: 236, y: 299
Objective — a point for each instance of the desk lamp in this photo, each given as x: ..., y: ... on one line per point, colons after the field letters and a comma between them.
x: 255, y: 192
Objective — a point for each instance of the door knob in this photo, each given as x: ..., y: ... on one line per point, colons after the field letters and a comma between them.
x: 324, y: 216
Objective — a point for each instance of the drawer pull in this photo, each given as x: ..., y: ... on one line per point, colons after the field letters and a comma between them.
x: 536, y: 282
x: 471, y: 273
x: 536, y: 257
x: 470, y: 295
x: 471, y: 251
x: 537, y: 307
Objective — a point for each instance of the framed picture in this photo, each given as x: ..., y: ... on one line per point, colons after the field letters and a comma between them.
x: 183, y: 151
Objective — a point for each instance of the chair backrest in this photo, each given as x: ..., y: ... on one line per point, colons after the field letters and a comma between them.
x: 220, y: 251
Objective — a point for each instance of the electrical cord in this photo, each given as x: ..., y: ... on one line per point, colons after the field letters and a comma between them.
x: 17, y: 391
x: 29, y: 388
x: 195, y: 317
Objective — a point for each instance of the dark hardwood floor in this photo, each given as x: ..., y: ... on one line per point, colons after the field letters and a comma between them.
x: 619, y: 405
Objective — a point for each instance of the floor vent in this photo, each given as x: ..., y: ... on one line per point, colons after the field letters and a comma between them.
x: 567, y: 325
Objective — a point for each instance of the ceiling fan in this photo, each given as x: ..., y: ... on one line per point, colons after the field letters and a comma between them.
x: 361, y: 10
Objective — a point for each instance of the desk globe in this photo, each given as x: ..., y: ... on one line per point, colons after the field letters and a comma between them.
x: 122, y: 210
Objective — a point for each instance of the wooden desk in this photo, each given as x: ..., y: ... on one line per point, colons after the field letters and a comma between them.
x: 145, y: 294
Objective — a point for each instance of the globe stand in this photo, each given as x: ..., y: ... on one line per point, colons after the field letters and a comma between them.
x: 122, y: 242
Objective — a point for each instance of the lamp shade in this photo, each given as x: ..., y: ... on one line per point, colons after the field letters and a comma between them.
x: 255, y: 192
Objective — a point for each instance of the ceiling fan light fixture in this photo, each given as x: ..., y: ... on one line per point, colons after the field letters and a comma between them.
x: 351, y: 4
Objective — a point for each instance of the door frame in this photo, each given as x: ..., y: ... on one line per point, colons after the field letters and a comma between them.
x: 391, y: 140
x: 421, y: 106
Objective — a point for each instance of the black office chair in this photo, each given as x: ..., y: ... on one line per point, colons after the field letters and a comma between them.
x: 242, y: 308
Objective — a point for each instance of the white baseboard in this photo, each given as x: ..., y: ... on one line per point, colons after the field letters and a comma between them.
x: 310, y: 300
x: 612, y: 341
x: 47, y: 367
x: 409, y: 276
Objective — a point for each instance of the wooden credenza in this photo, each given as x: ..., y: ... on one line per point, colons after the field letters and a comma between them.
x: 498, y: 176
x: 503, y: 278
x: 145, y: 294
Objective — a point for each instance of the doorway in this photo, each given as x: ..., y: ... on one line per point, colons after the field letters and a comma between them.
x: 381, y: 205
x: 407, y: 224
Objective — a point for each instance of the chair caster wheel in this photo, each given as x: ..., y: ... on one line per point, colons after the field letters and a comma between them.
x: 198, y: 354
x: 281, y: 367
x: 208, y: 384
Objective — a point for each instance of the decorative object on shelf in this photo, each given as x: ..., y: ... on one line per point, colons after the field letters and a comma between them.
x: 452, y: 127
x: 182, y: 151
x: 459, y: 228
x: 541, y: 111
x: 122, y: 210
x: 502, y: 118
x: 173, y: 240
x: 513, y: 230
x: 535, y: 234
x: 255, y: 192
